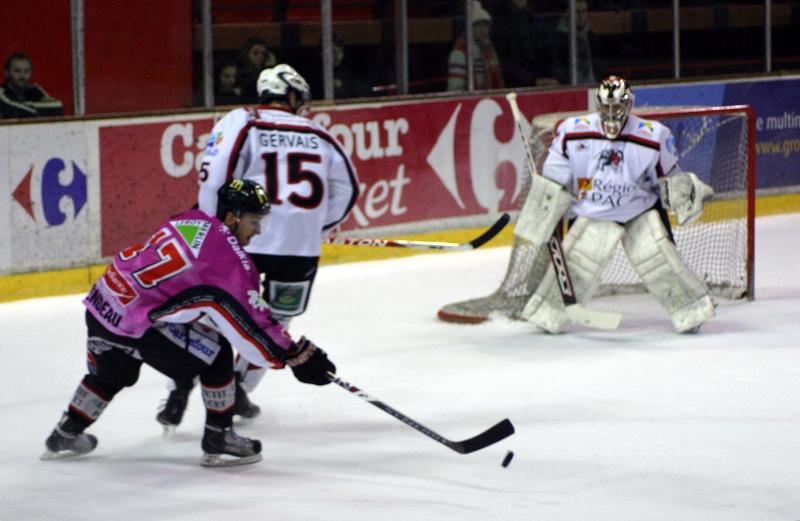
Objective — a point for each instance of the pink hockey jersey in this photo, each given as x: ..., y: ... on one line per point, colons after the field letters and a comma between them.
x: 192, y: 267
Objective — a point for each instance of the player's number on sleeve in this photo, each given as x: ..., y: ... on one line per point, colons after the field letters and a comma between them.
x: 296, y: 174
x: 172, y: 261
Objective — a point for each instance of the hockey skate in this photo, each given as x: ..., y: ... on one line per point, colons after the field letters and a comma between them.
x: 222, y: 447
x: 243, y: 407
x: 65, y: 441
x: 172, y: 413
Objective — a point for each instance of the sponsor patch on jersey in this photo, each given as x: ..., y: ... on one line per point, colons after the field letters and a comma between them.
x: 193, y: 232
x: 214, y: 141
x: 584, y: 183
x: 646, y: 127
x: 582, y: 122
x: 288, y: 298
x: 255, y: 299
x: 115, y: 282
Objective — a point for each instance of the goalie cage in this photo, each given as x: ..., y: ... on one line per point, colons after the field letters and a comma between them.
x: 718, y: 144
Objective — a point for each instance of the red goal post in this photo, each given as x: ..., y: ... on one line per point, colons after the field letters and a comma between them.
x: 717, y: 144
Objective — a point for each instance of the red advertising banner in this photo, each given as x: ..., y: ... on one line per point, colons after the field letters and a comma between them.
x: 417, y: 162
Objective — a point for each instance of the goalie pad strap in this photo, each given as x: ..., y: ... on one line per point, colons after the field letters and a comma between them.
x: 588, y: 248
x: 684, y: 193
x: 664, y: 274
x: 546, y: 203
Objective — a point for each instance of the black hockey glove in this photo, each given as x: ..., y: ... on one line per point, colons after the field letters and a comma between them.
x: 309, y: 363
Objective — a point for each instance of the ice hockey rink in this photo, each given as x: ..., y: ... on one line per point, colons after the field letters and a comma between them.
x: 634, y: 424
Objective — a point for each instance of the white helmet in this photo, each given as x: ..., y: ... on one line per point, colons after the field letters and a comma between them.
x: 614, y: 103
x: 276, y: 83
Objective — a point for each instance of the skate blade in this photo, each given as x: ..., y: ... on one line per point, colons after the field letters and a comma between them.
x: 49, y: 455
x: 169, y: 429
x: 225, y: 460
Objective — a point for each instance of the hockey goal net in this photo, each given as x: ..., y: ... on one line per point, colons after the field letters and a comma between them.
x: 717, y: 144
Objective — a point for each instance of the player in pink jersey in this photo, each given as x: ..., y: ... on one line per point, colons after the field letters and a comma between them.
x: 177, y: 303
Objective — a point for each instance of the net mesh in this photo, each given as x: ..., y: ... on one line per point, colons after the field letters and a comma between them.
x: 712, y: 143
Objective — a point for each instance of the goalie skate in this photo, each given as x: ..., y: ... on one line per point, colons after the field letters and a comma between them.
x: 225, y: 448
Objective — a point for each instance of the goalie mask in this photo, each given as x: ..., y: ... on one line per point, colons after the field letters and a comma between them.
x: 614, y: 103
x: 278, y: 84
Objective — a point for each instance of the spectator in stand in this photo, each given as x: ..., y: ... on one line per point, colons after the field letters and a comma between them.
x: 521, y: 44
x: 346, y: 83
x: 560, y: 46
x: 225, y: 91
x: 486, y: 66
x: 19, y: 98
x: 254, y: 57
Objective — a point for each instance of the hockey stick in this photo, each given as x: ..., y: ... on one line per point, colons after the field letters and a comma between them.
x: 477, y: 242
x: 488, y: 437
x: 576, y: 313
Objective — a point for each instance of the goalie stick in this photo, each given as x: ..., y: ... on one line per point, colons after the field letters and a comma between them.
x: 576, y: 313
x: 475, y: 243
x: 492, y: 435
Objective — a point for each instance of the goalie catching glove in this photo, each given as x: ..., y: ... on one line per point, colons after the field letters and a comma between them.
x: 309, y: 363
x: 684, y: 194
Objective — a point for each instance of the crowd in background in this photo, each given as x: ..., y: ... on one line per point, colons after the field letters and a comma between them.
x: 514, y: 44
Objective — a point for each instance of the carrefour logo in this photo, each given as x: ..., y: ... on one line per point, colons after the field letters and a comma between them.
x: 58, y: 180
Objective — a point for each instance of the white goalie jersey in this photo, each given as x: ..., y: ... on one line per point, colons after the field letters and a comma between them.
x: 308, y: 176
x: 610, y: 180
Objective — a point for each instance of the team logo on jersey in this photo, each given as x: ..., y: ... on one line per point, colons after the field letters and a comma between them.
x: 611, y: 158
x: 193, y: 232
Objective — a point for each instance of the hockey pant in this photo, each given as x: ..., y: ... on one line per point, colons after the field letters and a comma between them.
x: 114, y: 363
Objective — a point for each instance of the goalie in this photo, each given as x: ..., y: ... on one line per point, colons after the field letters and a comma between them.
x: 615, y: 174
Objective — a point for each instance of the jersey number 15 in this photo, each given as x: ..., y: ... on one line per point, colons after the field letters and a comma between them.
x: 295, y: 175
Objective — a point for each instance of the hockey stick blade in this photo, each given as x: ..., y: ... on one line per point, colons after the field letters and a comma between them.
x: 578, y: 314
x: 490, y: 436
x: 498, y: 432
x: 477, y: 242
x: 489, y: 234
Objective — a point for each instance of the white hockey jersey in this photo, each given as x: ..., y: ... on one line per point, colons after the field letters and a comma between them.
x: 310, y: 180
x: 610, y: 180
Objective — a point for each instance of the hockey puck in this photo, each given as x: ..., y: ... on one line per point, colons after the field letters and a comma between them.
x: 508, y: 458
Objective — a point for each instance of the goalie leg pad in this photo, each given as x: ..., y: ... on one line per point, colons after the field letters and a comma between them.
x: 666, y: 277
x: 546, y: 203
x: 588, y: 248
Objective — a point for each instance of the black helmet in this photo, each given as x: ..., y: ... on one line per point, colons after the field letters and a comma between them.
x: 241, y: 195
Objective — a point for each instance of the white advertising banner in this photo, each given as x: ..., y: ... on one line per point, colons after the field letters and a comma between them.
x: 48, y: 184
x: 5, y: 202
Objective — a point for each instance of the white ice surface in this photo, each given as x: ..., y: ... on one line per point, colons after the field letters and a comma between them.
x: 636, y: 424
